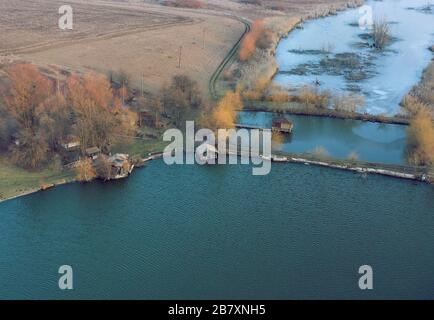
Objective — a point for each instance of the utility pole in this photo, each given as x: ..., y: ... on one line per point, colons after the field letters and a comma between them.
x: 142, y: 84
x: 57, y: 82
x: 203, y: 38
x: 123, y: 93
x: 179, y: 59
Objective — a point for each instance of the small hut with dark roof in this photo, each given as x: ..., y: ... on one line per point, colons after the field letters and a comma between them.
x: 282, y: 126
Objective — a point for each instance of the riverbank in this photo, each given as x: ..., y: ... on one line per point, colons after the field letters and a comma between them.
x: 17, y: 182
x: 415, y: 173
x: 422, y: 94
x: 421, y: 174
x: 295, y: 108
x: 406, y: 172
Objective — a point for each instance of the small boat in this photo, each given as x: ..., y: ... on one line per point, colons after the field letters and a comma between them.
x: 46, y: 186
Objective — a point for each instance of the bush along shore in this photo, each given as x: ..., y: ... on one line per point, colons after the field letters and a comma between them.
x: 298, y: 109
x: 415, y: 173
x: 256, y: 60
x: 65, y: 177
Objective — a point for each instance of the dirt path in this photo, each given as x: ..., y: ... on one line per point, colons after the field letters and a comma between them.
x: 226, y: 60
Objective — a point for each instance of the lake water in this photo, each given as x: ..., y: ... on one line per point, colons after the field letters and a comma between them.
x: 373, y: 142
x: 391, y: 74
x: 181, y: 232
x: 213, y: 232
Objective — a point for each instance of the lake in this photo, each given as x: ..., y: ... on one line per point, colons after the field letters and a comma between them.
x: 373, y: 142
x: 217, y: 232
x: 191, y: 232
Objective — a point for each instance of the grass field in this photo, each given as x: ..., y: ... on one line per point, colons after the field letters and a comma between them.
x: 135, y: 37
x: 15, y: 181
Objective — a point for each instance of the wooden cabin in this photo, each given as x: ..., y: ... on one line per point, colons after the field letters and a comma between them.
x: 121, y: 165
x: 145, y: 117
x: 282, y: 126
x: 93, y: 152
x: 70, y: 143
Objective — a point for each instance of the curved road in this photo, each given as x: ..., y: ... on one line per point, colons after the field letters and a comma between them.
x: 227, y: 59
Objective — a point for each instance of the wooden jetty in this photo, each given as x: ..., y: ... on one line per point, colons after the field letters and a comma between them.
x: 250, y: 127
x: 278, y: 126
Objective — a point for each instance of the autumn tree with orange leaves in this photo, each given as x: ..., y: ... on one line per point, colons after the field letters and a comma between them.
x: 258, y: 37
x: 29, y: 91
x: 40, y: 117
x: 99, y: 115
x: 85, y: 172
x: 225, y: 113
x: 420, y: 139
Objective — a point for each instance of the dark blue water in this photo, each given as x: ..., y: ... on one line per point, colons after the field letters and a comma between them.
x: 373, y: 142
x: 219, y: 232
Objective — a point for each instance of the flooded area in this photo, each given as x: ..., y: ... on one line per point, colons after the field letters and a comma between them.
x: 336, y: 53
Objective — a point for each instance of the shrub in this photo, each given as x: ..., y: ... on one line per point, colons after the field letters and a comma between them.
x: 32, y: 150
x: 252, y: 95
x: 353, y: 156
x: 103, y: 167
x: 85, y: 171
x: 258, y: 37
x: 265, y: 39
x: 310, y: 96
x: 347, y: 102
x: 381, y: 33
x: 278, y: 95
x: 320, y: 152
x: 225, y: 113
x: 420, y: 139
x: 412, y: 104
x: 422, y: 95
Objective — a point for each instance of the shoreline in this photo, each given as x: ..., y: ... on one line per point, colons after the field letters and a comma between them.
x: 412, y: 173
x: 263, y: 65
x: 329, y: 113
x: 152, y: 156
x: 269, y: 60
x: 40, y: 189
x: 404, y: 172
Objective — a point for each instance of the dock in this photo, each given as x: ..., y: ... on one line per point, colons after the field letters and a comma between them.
x: 284, y: 126
x: 250, y: 127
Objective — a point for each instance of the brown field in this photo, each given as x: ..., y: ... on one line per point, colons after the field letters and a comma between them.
x: 137, y: 37
x: 134, y: 38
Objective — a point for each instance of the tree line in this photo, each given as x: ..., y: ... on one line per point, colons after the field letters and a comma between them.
x: 37, y: 115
